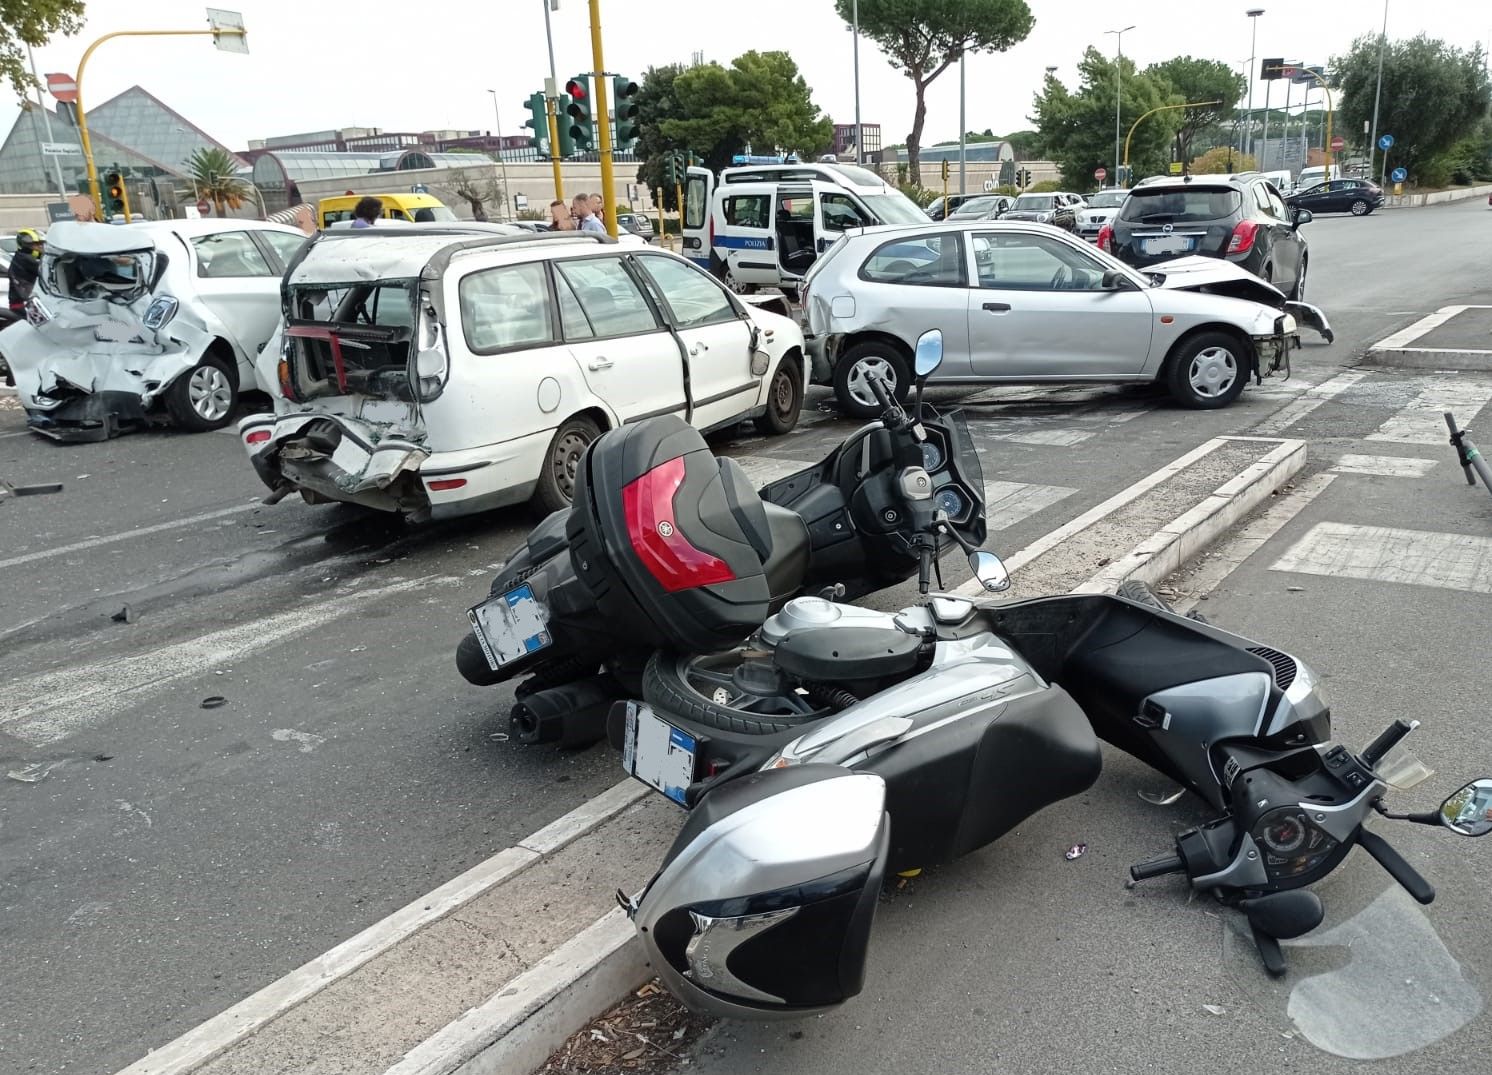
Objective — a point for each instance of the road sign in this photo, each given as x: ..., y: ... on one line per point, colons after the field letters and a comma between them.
x: 59, y: 211
x: 1338, y: 143
x: 1100, y: 174
x: 62, y: 88
x: 227, y: 30
x: 1398, y: 175
x: 203, y: 205
x: 1385, y: 141
x: 60, y: 149
x: 1175, y: 167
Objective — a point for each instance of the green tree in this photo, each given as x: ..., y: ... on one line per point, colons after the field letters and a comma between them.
x: 1077, y: 128
x: 656, y: 104
x: 1025, y: 144
x: 34, y: 23
x: 1191, y: 79
x: 214, y: 173
x: 923, y: 38
x: 1433, y: 94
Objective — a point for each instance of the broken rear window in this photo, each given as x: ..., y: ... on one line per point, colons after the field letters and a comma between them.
x: 351, y: 339
x: 116, y: 277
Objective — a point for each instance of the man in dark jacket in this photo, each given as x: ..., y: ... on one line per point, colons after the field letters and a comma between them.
x: 24, y: 267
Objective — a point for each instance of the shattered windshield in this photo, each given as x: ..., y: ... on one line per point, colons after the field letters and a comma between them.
x: 116, y: 277
x: 344, y: 339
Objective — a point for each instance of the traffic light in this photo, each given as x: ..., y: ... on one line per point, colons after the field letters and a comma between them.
x: 562, y: 126
x: 579, y: 111
x: 113, y: 194
x: 945, y: 171
x: 624, y: 96
x: 670, y: 169
x: 538, y: 120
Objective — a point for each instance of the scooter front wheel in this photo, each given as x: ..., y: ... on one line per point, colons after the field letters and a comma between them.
x: 732, y: 691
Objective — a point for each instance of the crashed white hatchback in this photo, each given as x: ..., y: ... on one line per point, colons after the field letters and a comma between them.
x: 154, y: 322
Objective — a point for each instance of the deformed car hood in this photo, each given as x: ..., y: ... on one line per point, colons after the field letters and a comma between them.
x: 72, y: 237
x: 1194, y: 273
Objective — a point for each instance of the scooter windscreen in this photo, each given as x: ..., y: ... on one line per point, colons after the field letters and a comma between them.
x: 763, y: 906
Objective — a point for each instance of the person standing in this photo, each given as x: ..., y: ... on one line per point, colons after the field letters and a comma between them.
x: 25, y: 266
x: 366, y: 211
x: 559, y: 216
x: 586, y: 216
x: 598, y: 210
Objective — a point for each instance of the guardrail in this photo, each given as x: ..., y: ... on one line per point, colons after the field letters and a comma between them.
x: 1399, y: 201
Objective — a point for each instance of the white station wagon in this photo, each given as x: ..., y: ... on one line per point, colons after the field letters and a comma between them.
x: 444, y: 371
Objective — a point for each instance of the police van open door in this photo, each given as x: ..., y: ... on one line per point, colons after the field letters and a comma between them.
x: 810, y: 217
x: 699, y: 199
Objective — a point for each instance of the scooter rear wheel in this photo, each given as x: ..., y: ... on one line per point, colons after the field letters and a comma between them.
x: 705, y: 690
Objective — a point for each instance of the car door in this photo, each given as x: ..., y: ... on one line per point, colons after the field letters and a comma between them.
x: 717, y: 339
x: 838, y: 210
x: 626, y: 353
x: 1340, y: 194
x: 1286, y: 245
x: 282, y: 246
x: 917, y: 282
x: 1038, y: 309
x: 238, y: 283
x: 746, y: 241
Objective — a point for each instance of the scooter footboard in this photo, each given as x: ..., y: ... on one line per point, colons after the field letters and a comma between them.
x: 955, y: 788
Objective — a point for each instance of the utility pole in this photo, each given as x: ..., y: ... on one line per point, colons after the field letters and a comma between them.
x: 963, y: 128
x: 551, y: 93
x: 603, y: 121
x: 1253, y: 13
x: 46, y: 118
x: 1377, y: 92
x: 502, y: 163
x: 1118, y: 91
x: 859, y: 139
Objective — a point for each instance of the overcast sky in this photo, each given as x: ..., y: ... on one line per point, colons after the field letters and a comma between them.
x: 428, y: 65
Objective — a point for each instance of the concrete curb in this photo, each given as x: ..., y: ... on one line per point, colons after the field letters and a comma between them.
x: 518, y: 1029
x: 1398, y: 350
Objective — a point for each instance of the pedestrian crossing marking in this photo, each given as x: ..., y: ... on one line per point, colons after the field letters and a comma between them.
x: 1389, y: 466
x: 1007, y: 503
x: 1389, y: 554
x: 1422, y: 421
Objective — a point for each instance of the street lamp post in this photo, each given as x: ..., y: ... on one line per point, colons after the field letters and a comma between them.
x: 551, y: 93
x: 502, y: 163
x: 1118, y: 91
x: 963, y: 131
x: 1253, y: 13
x: 859, y: 140
x: 1377, y: 96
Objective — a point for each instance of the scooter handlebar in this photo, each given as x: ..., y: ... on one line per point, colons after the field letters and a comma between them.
x: 1157, y: 867
x: 1397, y: 867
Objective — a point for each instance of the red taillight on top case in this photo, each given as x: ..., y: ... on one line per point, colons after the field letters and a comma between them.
x: 1243, y: 237
x: 1106, y: 239
x: 647, y: 507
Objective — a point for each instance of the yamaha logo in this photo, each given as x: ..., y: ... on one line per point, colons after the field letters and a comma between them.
x: 665, y: 529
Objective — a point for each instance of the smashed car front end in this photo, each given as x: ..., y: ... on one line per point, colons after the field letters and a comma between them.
x: 1218, y: 290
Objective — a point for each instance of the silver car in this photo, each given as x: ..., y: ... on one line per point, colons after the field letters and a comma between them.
x: 1099, y: 211
x: 1028, y: 303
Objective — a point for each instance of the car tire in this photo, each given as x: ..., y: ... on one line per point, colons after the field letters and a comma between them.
x: 784, y: 400
x: 205, y: 396
x: 1207, y: 371
x: 1360, y: 208
x: 849, y: 377
x: 1297, y: 293
x: 562, y: 463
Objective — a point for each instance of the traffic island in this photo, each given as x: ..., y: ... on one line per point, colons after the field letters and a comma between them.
x: 1452, y: 338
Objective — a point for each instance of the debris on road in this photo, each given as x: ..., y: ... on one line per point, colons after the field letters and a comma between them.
x: 124, y: 615
x: 648, y: 1027
x: 1076, y: 851
x: 215, y: 701
x: 1214, y: 1009
x: 34, y: 773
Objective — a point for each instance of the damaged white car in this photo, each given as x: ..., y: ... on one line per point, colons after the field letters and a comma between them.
x: 443, y: 371
x: 141, y: 324
x: 1026, y: 303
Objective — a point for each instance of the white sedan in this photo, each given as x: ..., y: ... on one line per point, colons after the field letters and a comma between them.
x: 1027, y: 303
x: 138, y: 324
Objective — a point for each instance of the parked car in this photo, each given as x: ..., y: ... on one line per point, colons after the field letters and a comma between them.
x: 441, y: 372
x: 1099, y: 211
x: 985, y: 207
x: 147, y: 323
x: 1021, y: 302
x: 1240, y: 218
x: 636, y: 223
x: 1054, y: 209
x: 1356, y: 196
x: 939, y: 208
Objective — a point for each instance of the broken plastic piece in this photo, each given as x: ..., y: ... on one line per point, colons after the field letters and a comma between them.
x: 1214, y: 1009
x: 124, y: 615
x: 214, y: 702
x: 1161, y: 798
x: 1075, y: 851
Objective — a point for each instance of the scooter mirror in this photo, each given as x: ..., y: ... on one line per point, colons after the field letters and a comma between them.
x: 989, y: 569
x: 929, y: 354
x: 1469, y: 810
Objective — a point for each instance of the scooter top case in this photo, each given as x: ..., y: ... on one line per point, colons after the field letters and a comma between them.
x: 675, y: 544
x: 763, y: 906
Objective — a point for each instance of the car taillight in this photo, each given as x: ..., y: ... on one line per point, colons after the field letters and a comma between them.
x: 1106, y: 238
x: 441, y: 484
x: 287, y: 386
x: 259, y: 436
x: 1243, y: 237
x: 647, y: 507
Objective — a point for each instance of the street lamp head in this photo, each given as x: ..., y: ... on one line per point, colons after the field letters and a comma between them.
x: 1126, y: 30
x: 1254, y: 12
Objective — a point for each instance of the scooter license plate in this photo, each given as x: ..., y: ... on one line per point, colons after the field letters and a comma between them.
x: 511, y: 625
x: 657, y: 753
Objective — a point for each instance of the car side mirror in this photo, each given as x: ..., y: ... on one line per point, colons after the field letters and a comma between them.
x: 1301, y: 216
x: 1468, y: 811
x: 1114, y: 280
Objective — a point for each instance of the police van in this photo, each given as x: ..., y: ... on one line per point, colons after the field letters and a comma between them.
x: 763, y: 224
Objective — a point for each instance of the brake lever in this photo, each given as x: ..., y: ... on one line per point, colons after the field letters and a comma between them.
x: 1396, y: 865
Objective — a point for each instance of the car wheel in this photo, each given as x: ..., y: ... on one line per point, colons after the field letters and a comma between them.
x: 1208, y: 371
x: 1361, y: 208
x: 852, y: 377
x: 562, y: 463
x: 1297, y: 293
x: 204, y: 397
x: 784, y: 400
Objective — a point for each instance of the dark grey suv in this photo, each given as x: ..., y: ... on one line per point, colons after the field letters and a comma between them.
x: 1241, y: 218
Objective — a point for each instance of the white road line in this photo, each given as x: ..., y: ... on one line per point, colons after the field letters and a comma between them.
x: 1311, y: 399
x: 54, y: 705
x: 1058, y: 438
x: 1389, y: 554
x: 21, y: 433
x: 1390, y: 466
x: 1422, y: 420
x: 1422, y: 327
x: 1007, y: 503
x: 109, y: 539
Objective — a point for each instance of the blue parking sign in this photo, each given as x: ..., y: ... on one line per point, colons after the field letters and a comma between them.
x: 1398, y: 175
x: 1385, y: 141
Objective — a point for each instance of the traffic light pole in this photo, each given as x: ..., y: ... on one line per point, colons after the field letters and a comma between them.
x: 551, y: 107
x: 83, y: 115
x: 603, y: 123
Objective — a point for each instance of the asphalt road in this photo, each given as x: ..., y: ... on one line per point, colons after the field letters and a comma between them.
x: 160, y: 860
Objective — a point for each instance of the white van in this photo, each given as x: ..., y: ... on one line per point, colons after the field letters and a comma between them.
x: 764, y: 225
x: 1316, y: 173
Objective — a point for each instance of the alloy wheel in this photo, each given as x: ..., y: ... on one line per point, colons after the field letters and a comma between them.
x: 210, y: 393
x: 858, y: 380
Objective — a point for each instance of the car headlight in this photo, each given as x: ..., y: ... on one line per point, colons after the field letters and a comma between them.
x: 1287, y: 324
x: 1043, y: 217
x: 159, y: 312
x: 37, y: 312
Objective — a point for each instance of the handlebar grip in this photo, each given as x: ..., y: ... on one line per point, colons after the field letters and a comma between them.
x: 879, y: 388
x: 1156, y: 867
x: 1373, y: 753
x: 1397, y: 867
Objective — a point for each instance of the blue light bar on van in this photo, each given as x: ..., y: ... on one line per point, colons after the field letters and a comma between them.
x: 748, y: 158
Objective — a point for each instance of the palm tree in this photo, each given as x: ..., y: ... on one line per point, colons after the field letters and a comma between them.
x: 214, y: 173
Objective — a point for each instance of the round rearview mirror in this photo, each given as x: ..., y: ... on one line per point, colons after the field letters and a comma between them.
x: 989, y: 569
x: 1469, y: 811
x: 929, y: 352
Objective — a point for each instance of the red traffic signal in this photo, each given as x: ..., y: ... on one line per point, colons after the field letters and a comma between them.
x: 576, y: 89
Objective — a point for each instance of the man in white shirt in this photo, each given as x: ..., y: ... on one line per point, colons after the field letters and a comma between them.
x: 589, y: 221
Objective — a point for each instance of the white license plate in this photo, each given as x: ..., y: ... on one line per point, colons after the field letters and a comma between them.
x: 1170, y: 244
x: 657, y: 753
x: 511, y: 625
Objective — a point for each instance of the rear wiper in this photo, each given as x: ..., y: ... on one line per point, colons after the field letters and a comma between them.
x: 1151, y: 218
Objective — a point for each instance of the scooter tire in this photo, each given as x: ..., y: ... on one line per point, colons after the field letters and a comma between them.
x: 664, y: 688
x: 1141, y: 594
